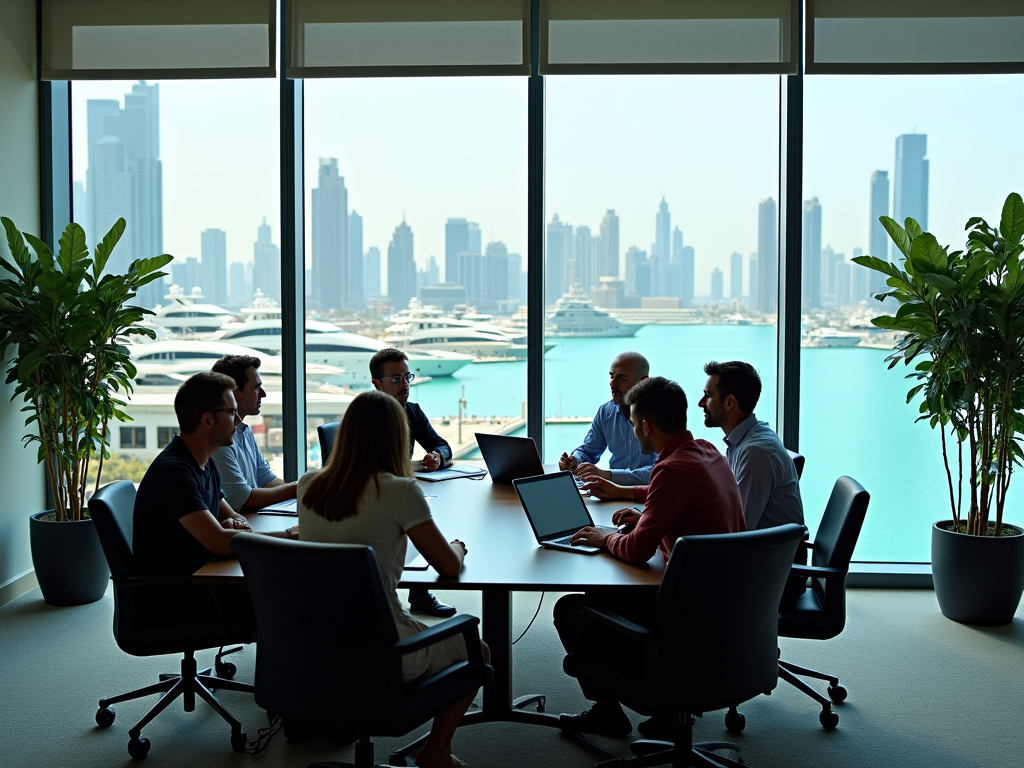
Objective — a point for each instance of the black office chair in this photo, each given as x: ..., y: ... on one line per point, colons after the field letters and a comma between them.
x: 798, y: 460
x: 141, y: 629
x: 327, y: 433
x: 712, y: 642
x: 297, y: 589
x: 820, y: 612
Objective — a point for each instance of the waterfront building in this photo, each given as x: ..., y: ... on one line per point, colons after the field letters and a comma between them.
x: 401, y: 267
x: 811, y: 263
x: 456, y: 241
x: 767, y: 255
x: 559, y: 253
x: 910, y: 181
x: 330, y: 237
x: 878, y: 238
x: 608, y: 248
x: 717, y: 284
x: 584, y: 252
x: 662, y: 232
x: 214, y: 256
x: 266, y: 264
x: 736, y: 277
x: 354, y: 254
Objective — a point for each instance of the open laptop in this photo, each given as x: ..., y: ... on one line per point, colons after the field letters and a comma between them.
x: 508, y: 458
x: 556, y: 510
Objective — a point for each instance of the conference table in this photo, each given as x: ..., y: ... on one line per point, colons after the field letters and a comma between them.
x: 503, y: 557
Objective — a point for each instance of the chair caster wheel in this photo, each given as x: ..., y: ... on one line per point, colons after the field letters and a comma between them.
x: 239, y: 742
x: 105, y: 717
x: 735, y: 722
x: 837, y: 693
x: 829, y: 720
x: 138, y: 748
x: 225, y: 669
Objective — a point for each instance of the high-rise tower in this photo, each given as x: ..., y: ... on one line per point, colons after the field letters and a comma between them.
x: 811, y: 266
x: 767, y: 255
x: 401, y: 267
x: 214, y: 252
x: 354, y: 254
x: 662, y: 232
x: 736, y: 276
x: 266, y: 273
x: 910, y: 183
x: 878, y: 240
x: 330, y: 237
x: 608, y: 250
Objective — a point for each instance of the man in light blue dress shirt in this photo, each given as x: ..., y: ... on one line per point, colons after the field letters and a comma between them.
x: 612, y: 431
x: 764, y: 470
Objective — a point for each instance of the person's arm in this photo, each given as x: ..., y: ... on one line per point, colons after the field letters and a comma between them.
x: 594, y: 444
x: 278, y: 490
x: 210, y: 532
x: 445, y: 557
x: 600, y: 488
x: 232, y: 480
x: 423, y: 432
x: 756, y: 479
x: 638, y: 476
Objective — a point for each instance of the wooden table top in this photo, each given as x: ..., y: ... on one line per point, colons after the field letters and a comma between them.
x: 502, y: 550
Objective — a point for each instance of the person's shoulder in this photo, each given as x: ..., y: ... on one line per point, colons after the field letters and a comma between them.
x: 306, y: 478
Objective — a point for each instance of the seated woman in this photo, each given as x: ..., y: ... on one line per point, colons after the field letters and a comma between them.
x: 367, y: 494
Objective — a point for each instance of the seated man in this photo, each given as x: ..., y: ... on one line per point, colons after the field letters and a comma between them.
x: 389, y: 371
x: 630, y: 464
x: 765, y: 472
x: 246, y: 478
x: 181, y: 520
x: 692, y: 491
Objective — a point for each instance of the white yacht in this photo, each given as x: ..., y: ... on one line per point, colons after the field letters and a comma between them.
x: 830, y: 337
x: 575, y: 316
x: 422, y: 327
x: 187, y: 317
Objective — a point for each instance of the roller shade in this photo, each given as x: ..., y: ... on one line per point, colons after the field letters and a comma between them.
x: 401, y: 38
x: 669, y: 36
x: 157, y: 39
x: 915, y: 37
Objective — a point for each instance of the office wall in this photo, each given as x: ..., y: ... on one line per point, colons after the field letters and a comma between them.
x: 21, y: 479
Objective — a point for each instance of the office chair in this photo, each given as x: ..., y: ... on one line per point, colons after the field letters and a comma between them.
x: 820, y: 612
x: 799, y: 460
x: 327, y: 433
x: 712, y: 641
x: 141, y: 630
x: 297, y: 588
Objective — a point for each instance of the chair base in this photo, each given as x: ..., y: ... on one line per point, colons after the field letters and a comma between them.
x: 188, y: 684
x: 683, y: 752
x: 828, y: 718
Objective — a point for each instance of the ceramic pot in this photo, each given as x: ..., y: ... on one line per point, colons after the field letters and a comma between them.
x: 68, y: 560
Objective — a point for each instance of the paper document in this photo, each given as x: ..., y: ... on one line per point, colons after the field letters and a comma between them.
x: 289, y: 507
x: 451, y: 473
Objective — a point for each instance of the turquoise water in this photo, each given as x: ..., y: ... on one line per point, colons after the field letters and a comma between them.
x: 853, y: 415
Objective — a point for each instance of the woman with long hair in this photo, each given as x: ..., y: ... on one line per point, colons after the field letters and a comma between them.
x: 367, y: 494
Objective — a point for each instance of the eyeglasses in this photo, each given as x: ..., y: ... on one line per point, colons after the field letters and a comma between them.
x: 398, y: 378
x: 232, y: 413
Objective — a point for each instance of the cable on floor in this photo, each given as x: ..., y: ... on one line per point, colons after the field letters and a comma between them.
x: 535, y: 614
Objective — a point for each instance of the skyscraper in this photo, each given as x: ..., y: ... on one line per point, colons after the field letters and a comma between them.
x: 475, y: 238
x: 686, y: 267
x: 496, y: 283
x: 583, y: 248
x: 516, y: 290
x: 662, y: 232
x: 266, y: 264
x: 559, y: 253
x: 214, y: 253
x: 878, y: 239
x: 354, y: 254
x: 240, y: 292
x: 767, y: 255
x: 456, y: 241
x: 910, y: 183
x: 811, y: 262
x: 736, y: 277
x: 371, y: 273
x: 717, y: 284
x: 401, y: 267
x: 638, y: 272
x: 608, y: 249
x: 330, y: 237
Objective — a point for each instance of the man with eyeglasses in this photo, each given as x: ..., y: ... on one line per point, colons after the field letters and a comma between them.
x: 246, y: 477
x: 389, y: 372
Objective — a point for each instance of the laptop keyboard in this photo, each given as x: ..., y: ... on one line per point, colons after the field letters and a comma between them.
x: 567, y: 540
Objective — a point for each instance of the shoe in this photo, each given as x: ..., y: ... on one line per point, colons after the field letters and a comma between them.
x: 659, y: 727
x: 603, y: 720
x: 423, y: 601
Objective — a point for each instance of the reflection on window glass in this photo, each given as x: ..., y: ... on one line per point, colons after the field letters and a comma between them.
x: 661, y: 237
x: 416, y: 239
x: 885, y: 146
x: 192, y: 168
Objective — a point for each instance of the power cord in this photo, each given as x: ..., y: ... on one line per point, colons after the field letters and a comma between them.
x: 262, y: 741
x: 535, y: 614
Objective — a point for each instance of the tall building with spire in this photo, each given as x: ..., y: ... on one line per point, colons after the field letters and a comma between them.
x: 330, y: 237
x: 767, y: 255
x: 401, y: 267
x: 608, y: 247
x: 663, y: 232
x: 811, y: 261
x: 266, y: 273
x: 878, y: 239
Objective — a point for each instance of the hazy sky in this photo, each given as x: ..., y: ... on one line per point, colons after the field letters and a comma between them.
x: 429, y: 149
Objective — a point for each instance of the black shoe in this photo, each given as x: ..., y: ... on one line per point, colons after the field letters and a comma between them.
x: 422, y: 601
x: 660, y: 727
x: 602, y: 719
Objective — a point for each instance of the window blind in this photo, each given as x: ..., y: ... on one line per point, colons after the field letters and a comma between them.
x: 669, y: 36
x: 157, y: 39
x: 914, y: 37
x: 401, y: 38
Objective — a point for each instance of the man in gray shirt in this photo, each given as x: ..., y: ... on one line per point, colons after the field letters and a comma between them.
x: 246, y: 478
x: 764, y: 470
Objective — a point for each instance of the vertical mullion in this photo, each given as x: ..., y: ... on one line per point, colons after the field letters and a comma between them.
x: 535, y: 239
x: 54, y: 160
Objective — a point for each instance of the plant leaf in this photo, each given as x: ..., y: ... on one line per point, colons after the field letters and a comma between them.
x: 897, y: 233
x: 106, y: 246
x: 1011, y: 224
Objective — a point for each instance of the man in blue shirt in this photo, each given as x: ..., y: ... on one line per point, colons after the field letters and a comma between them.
x: 612, y: 430
x: 245, y: 476
x: 764, y: 470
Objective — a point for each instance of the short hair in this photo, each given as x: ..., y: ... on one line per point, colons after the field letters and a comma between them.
x: 386, y: 355
x: 661, y: 402
x: 738, y: 379
x: 640, y: 364
x: 203, y: 392
x: 236, y: 366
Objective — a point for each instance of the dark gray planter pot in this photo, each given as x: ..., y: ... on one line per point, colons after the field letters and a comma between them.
x: 978, y: 579
x: 68, y: 560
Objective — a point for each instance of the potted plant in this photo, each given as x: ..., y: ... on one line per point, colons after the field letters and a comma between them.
x: 65, y: 324
x: 962, y: 319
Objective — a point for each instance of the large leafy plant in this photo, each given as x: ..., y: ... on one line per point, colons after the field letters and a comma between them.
x: 962, y: 319
x: 66, y: 324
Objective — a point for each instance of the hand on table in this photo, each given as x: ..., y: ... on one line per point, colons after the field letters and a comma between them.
x: 600, y: 488
x: 586, y: 469
x: 589, y: 536
x: 628, y: 517
x: 236, y: 523
x: 459, y: 543
x: 565, y: 461
x: 432, y: 461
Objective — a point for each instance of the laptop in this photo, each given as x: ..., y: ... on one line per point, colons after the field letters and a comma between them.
x: 556, y: 510
x: 508, y: 458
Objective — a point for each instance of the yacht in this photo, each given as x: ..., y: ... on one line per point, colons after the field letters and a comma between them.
x: 420, y: 327
x: 187, y: 317
x: 575, y: 316
x: 830, y: 337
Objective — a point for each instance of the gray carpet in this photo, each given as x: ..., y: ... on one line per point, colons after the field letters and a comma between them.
x: 924, y: 691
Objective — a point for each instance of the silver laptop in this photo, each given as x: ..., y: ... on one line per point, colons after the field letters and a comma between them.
x: 556, y: 510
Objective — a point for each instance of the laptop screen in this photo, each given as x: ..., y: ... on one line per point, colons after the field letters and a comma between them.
x: 553, y: 504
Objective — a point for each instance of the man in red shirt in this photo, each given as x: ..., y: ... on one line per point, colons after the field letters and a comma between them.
x: 692, y: 491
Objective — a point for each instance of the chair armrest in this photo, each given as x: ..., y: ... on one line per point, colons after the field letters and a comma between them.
x: 465, y: 625
x: 605, y: 619
x: 816, y: 570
